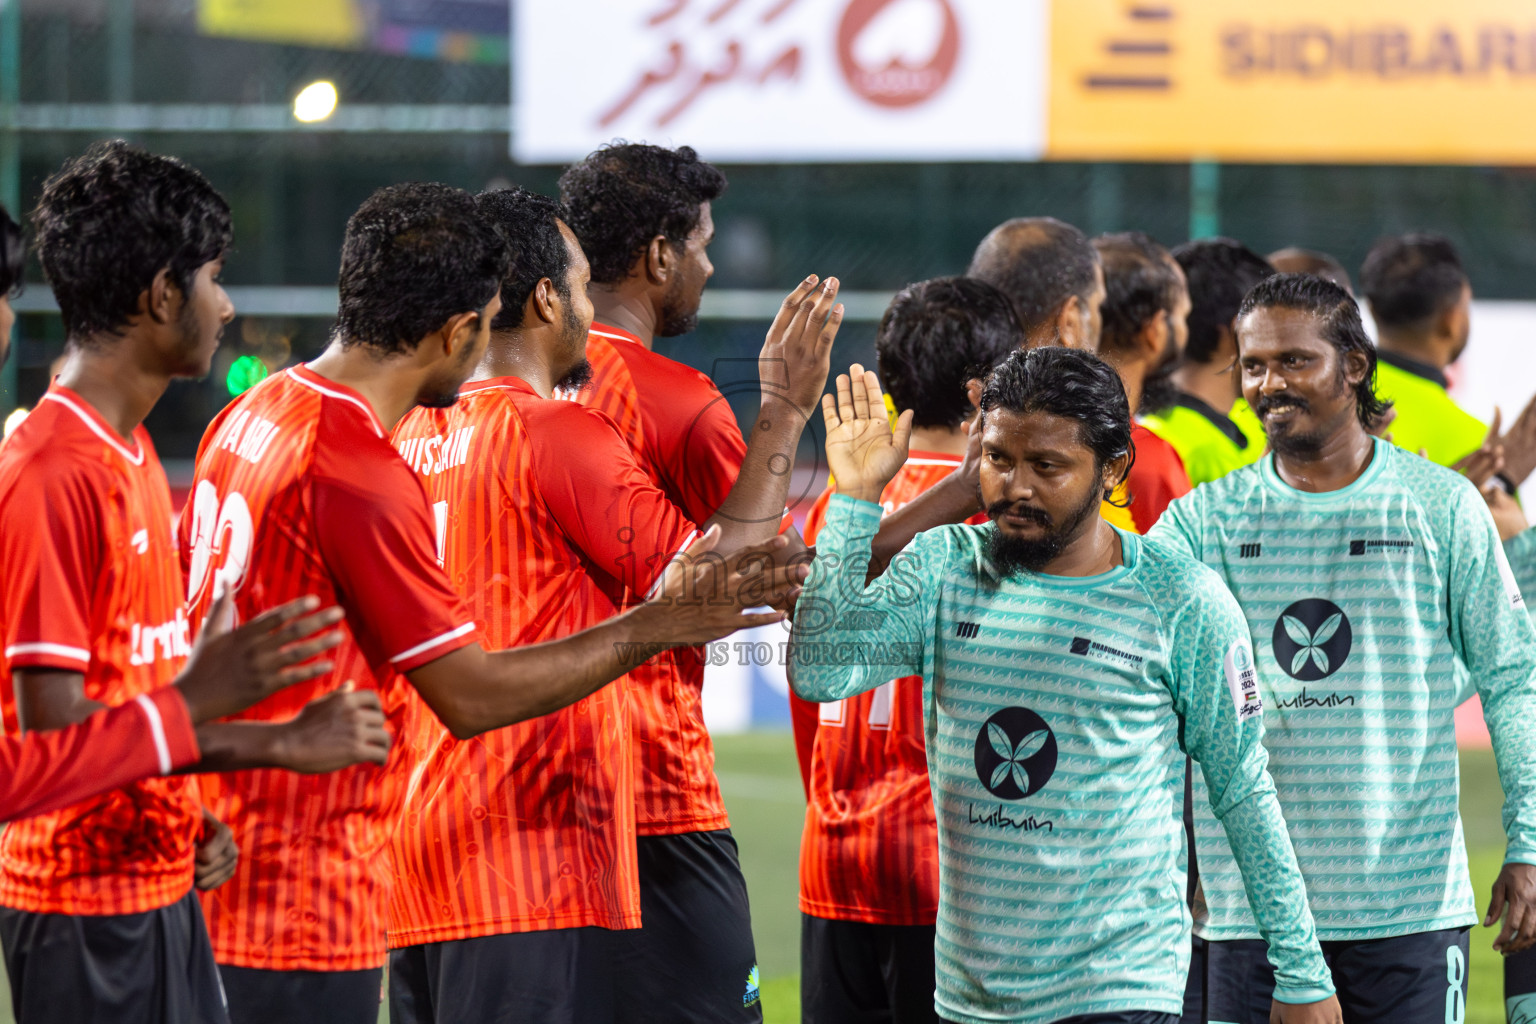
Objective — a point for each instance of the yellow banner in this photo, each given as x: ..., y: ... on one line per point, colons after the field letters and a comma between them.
x: 1383, y: 81
x: 306, y: 22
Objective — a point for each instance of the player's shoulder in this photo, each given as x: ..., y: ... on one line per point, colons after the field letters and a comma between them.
x: 61, y: 444
x: 1173, y: 579
x: 1438, y: 489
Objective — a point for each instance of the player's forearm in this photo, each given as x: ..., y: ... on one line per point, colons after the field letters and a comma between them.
x: 1261, y: 845
x: 753, y: 510
x: 233, y: 746
x: 43, y: 772
x: 843, y: 642
x: 48, y: 699
x: 473, y: 691
x: 951, y: 501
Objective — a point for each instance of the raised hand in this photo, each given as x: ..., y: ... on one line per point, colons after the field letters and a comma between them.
x: 345, y: 727
x: 1508, y: 516
x: 797, y: 353
x: 1520, y: 444
x: 703, y: 596
x: 231, y: 669
x: 862, y: 450
x: 1480, y: 465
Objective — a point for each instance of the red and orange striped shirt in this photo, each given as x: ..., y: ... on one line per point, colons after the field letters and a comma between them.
x: 870, y: 848
x: 547, y: 521
x: 92, y: 585
x: 298, y: 491
x: 684, y: 434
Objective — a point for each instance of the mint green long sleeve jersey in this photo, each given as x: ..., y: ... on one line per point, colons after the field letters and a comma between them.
x: 1369, y: 607
x: 1057, y: 713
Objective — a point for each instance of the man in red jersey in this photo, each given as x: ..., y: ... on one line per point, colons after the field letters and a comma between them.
x: 297, y: 490
x: 869, y: 869
x: 1145, y: 311
x: 493, y: 915
x: 97, y: 918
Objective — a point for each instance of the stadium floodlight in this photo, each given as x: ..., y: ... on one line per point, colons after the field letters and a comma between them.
x: 315, y: 102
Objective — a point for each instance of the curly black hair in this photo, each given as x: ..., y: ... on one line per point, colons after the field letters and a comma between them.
x: 627, y: 193
x: 414, y: 256
x: 1140, y: 282
x: 1339, y: 315
x: 1219, y: 271
x: 935, y: 335
x: 111, y: 219
x: 1072, y: 384
x: 1409, y: 278
x: 531, y: 225
x: 13, y: 254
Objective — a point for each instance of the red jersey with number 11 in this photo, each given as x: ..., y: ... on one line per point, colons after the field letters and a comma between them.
x: 870, y: 849
x: 298, y: 492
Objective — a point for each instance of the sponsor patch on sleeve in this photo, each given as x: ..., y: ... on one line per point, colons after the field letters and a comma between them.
x: 1242, y: 680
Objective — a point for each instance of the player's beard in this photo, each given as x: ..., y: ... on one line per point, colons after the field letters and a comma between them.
x: 679, y: 309
x: 580, y: 374
x: 1013, y: 555
x: 1298, y: 444
x: 1158, y: 391
x: 444, y: 392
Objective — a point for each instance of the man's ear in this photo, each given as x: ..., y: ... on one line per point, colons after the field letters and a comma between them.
x: 1356, y: 366
x: 544, y: 302
x: 457, y: 331
x: 162, y: 300
x: 1069, y: 323
x: 660, y: 261
x: 1115, y: 472
x: 1152, y: 339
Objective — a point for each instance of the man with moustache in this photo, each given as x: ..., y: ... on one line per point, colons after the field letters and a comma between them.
x: 1367, y: 575
x: 1067, y: 666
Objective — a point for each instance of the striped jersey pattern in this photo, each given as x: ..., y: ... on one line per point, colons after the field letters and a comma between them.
x: 870, y: 851
x: 297, y: 491
x: 1365, y: 604
x: 1054, y: 709
x: 92, y: 585
x: 547, y: 522
x: 685, y: 437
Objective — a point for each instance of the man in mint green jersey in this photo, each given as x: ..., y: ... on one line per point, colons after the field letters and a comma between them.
x: 1067, y: 668
x: 1369, y: 577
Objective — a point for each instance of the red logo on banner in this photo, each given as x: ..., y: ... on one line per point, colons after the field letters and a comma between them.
x: 898, y: 53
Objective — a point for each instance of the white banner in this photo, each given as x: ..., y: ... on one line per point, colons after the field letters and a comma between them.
x: 781, y: 80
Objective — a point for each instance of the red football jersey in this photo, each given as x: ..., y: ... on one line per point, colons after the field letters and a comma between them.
x: 682, y: 430
x: 546, y: 521
x: 43, y: 771
x: 1157, y: 478
x: 298, y: 491
x: 870, y: 848
x: 92, y: 585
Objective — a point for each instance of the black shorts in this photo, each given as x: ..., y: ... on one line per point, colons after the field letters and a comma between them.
x: 857, y: 973
x: 550, y: 977
x: 1194, y: 985
x: 692, y: 959
x: 1520, y: 987
x: 259, y: 996
x: 1407, y: 979
x: 149, y: 968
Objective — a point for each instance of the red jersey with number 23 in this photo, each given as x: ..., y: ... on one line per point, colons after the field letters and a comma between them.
x: 546, y: 523
x: 91, y: 585
x: 298, y: 491
x: 870, y: 849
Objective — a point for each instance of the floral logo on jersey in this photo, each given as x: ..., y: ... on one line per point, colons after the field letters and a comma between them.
x: 1312, y: 639
x: 1015, y: 754
x: 754, y: 993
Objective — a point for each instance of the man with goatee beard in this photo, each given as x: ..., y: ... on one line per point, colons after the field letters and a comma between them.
x: 1067, y: 667
x: 1372, y: 580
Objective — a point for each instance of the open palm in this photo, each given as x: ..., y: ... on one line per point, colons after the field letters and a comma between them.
x: 863, y: 452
